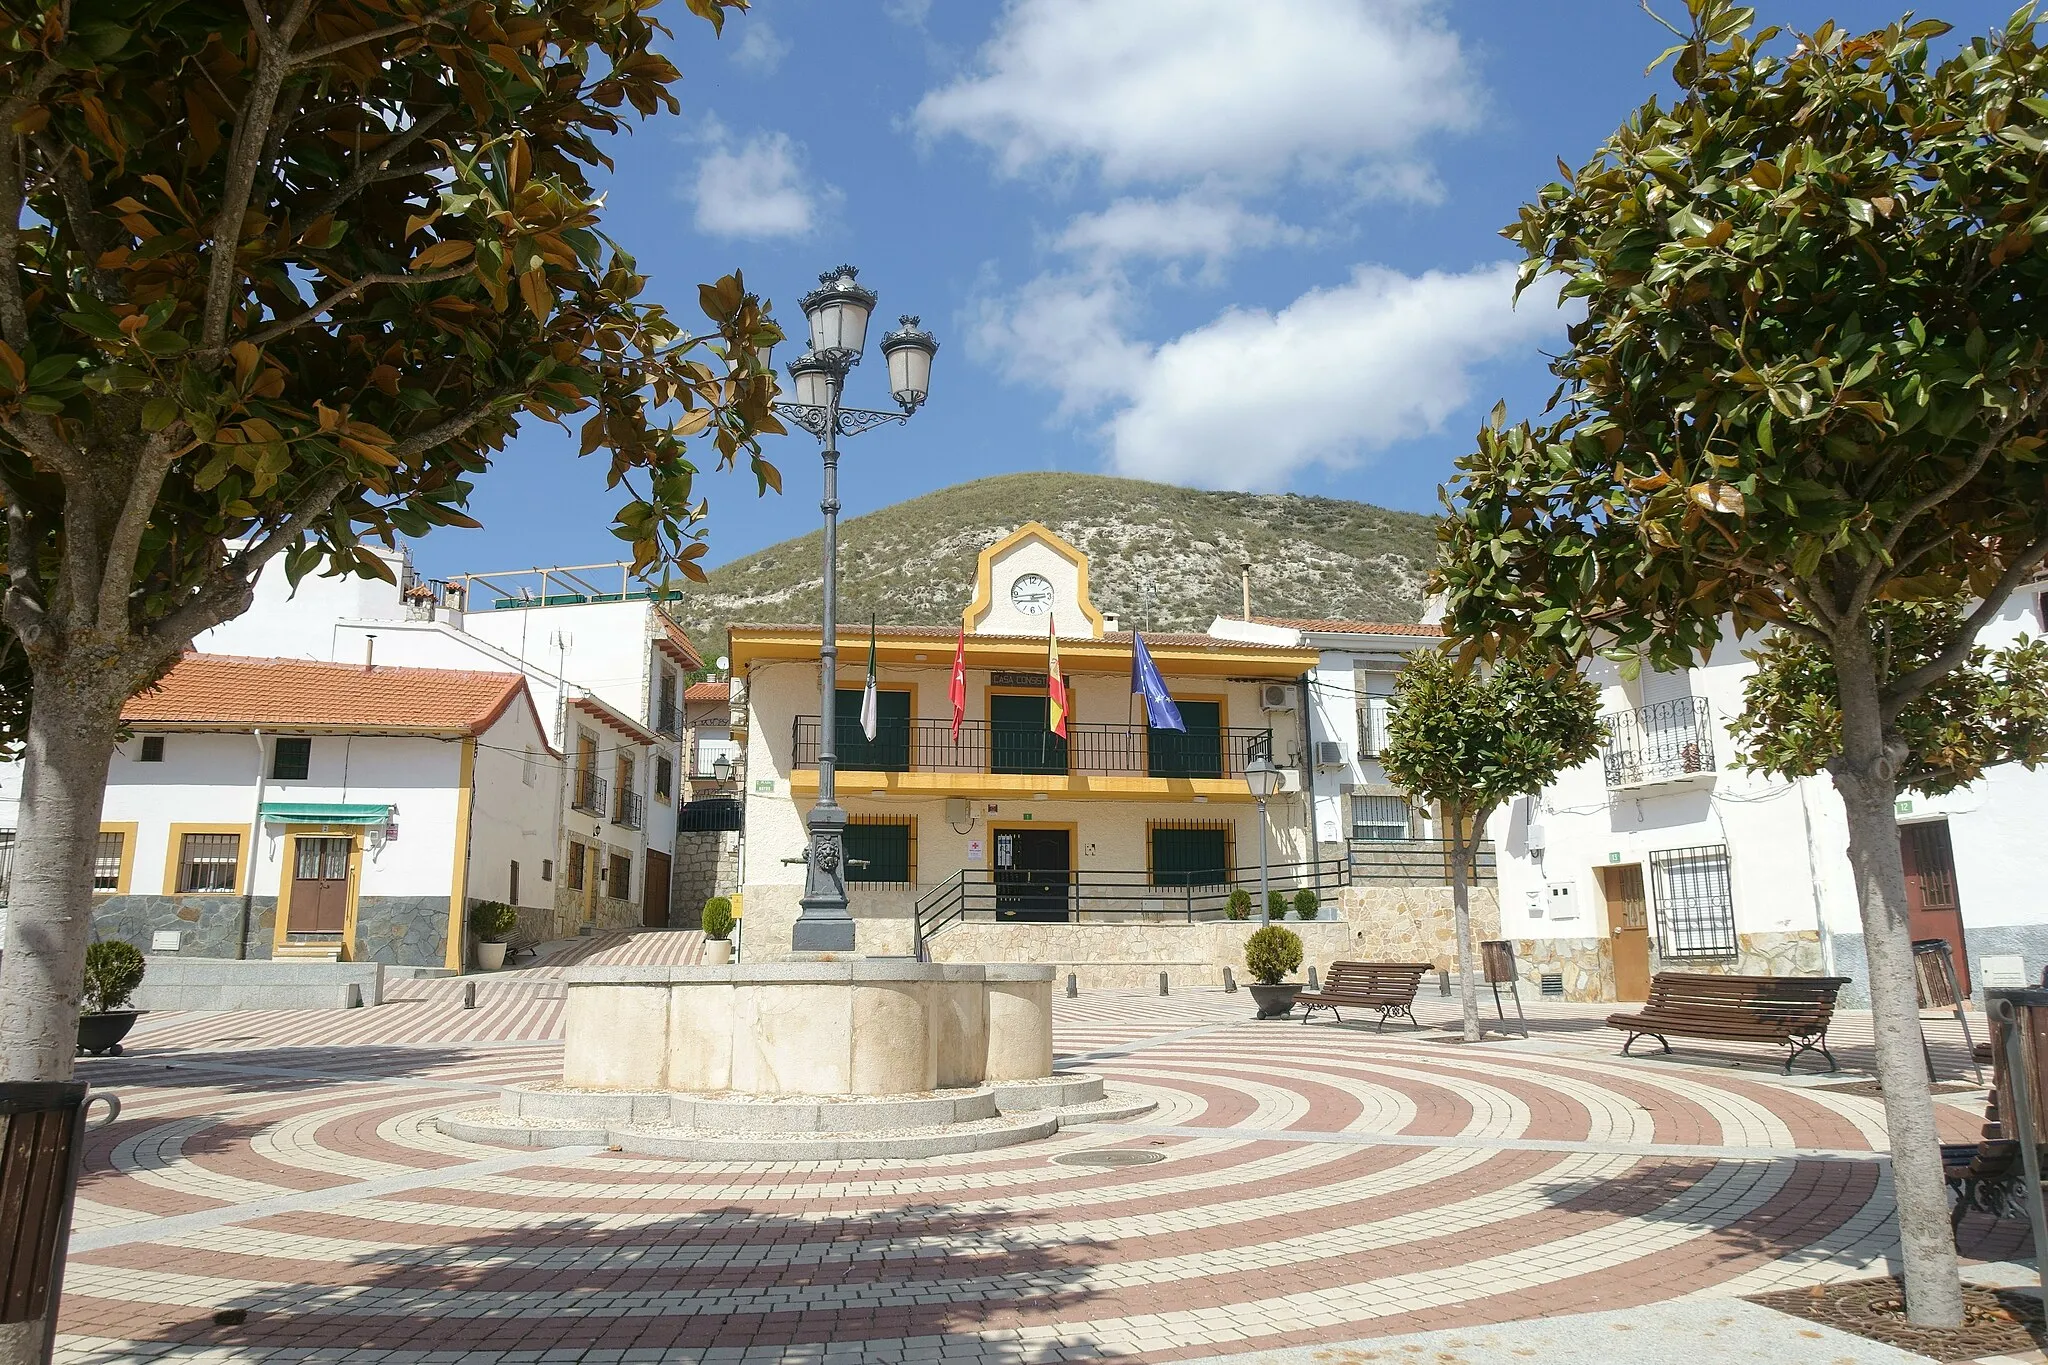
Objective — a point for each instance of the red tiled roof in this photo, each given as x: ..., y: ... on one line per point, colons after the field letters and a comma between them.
x: 674, y: 643
x: 720, y: 690
x: 615, y: 718
x: 224, y: 689
x: 1349, y: 627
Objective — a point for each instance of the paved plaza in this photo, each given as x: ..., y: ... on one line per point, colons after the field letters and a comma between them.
x: 1297, y: 1186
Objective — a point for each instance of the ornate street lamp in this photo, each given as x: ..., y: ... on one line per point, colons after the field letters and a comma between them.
x: 838, y: 312
x: 1262, y: 779
x: 721, y: 769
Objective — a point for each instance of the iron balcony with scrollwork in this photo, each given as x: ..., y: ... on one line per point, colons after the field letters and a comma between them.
x: 1089, y: 750
x: 1669, y: 741
x: 588, y: 792
x: 631, y: 810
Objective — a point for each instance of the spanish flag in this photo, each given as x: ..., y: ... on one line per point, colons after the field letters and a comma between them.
x: 1055, y: 685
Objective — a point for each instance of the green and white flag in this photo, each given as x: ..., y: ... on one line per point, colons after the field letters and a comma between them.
x: 867, y: 697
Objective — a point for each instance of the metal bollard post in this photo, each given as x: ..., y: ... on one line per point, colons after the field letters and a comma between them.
x: 1229, y: 982
x: 1443, y: 981
x: 1312, y: 977
x: 1073, y: 987
x: 469, y: 995
x: 1162, y: 983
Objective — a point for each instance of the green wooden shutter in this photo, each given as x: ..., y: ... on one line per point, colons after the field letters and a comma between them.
x: 1190, y: 857
x: 1199, y: 752
x: 1019, y: 741
x: 889, y: 750
x: 884, y: 848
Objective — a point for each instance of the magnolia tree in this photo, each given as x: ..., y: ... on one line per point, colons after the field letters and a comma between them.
x: 1809, y: 383
x: 1470, y: 740
x: 277, y: 279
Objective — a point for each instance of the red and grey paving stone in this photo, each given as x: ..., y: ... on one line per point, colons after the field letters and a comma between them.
x: 1297, y: 1188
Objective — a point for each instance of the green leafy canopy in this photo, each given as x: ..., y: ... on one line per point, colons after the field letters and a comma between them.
x: 1473, y: 739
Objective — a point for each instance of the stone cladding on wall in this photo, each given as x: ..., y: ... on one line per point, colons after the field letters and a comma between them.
x: 207, y: 925
x: 707, y: 864
x: 1414, y: 923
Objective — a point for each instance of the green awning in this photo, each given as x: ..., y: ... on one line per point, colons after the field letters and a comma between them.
x: 322, y: 813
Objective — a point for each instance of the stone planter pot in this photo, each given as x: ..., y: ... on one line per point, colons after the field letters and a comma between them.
x: 1274, y: 1002
x: 101, y: 1034
x: 718, y: 952
x: 490, y: 956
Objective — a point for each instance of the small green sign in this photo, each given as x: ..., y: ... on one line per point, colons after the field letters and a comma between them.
x: 1614, y: 857
x: 1903, y: 808
x: 1027, y: 815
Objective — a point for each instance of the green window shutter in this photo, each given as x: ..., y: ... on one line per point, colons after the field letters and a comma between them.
x: 1019, y: 741
x: 1190, y: 857
x: 889, y: 751
x: 884, y: 848
x: 1199, y: 752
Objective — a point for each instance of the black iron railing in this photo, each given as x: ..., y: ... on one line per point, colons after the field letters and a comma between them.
x: 668, y: 720
x: 631, y: 810
x: 1416, y: 862
x: 1663, y: 742
x: 929, y: 746
x: 1033, y: 895
x: 588, y: 792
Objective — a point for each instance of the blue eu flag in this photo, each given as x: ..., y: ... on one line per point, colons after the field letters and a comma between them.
x: 1160, y: 712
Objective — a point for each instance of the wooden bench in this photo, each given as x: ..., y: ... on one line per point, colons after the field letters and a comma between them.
x: 1388, y: 987
x: 1792, y: 1011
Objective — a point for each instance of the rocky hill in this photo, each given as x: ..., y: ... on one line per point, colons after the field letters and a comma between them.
x: 1164, y: 558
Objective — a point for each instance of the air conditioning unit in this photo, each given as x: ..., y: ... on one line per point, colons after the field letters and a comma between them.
x: 1329, y: 754
x: 1290, y: 779
x: 1276, y: 697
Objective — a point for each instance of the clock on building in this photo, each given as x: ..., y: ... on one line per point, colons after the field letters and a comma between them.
x: 1031, y: 594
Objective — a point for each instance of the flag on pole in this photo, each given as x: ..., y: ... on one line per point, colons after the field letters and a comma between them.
x: 1055, y: 685
x: 958, y: 688
x: 868, y: 705
x: 1160, y: 712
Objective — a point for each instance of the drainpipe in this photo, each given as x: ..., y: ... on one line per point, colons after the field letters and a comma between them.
x: 255, y: 842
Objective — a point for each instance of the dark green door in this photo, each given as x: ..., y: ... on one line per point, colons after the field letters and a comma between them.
x: 1199, y: 752
x: 889, y: 750
x: 1034, y: 868
x: 1018, y: 740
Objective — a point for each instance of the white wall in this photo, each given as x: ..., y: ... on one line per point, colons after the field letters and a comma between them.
x: 516, y: 814
x: 288, y: 623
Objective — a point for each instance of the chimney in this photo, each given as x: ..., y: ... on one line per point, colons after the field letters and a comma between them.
x: 1245, y: 580
x: 370, y: 652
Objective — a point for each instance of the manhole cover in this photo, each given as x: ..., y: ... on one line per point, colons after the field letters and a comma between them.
x: 1109, y: 1158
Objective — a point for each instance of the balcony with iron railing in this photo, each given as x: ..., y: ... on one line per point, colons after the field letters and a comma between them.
x: 631, y: 810
x: 1668, y: 741
x: 668, y: 720
x: 587, y: 793
x: 1097, y: 750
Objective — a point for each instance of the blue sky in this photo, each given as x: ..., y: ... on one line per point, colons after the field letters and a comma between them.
x: 1211, y: 242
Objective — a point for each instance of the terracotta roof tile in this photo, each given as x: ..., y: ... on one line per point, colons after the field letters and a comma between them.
x: 1328, y: 627
x: 720, y: 690
x: 1153, y: 638
x: 225, y: 689
x: 674, y: 643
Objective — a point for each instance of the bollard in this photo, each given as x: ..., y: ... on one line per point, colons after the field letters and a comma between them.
x: 1162, y: 983
x: 1073, y: 987
x: 1229, y: 982
x: 469, y: 995
x: 1443, y: 981
x: 352, y: 996
x: 1312, y: 977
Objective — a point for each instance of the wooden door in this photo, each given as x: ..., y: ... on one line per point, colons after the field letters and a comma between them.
x: 654, y: 892
x: 1034, y: 868
x: 319, y: 885
x: 1934, y: 909
x: 1628, y: 929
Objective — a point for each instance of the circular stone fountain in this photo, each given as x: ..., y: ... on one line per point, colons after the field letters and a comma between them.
x: 820, y: 1060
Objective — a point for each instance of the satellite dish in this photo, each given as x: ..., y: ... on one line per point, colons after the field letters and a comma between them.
x: 724, y: 664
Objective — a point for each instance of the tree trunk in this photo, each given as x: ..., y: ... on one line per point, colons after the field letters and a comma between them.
x: 71, y: 729
x: 1865, y: 775
x: 1461, y: 918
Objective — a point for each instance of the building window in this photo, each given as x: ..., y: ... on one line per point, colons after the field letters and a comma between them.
x: 6, y: 862
x: 152, y: 749
x: 620, y: 887
x: 1694, y: 902
x: 889, y: 750
x: 206, y: 862
x: 547, y: 869
x: 880, y: 850
x: 514, y: 897
x: 575, y: 877
x: 1373, y: 713
x: 1189, y: 852
x: 1197, y: 752
x: 664, y: 778
x: 106, y: 860
x: 292, y: 760
x: 1379, y: 817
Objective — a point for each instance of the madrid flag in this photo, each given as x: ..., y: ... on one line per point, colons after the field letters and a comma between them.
x: 1055, y: 685
x: 958, y: 689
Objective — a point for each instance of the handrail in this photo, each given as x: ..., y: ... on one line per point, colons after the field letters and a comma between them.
x: 1090, y: 749
x: 1417, y: 862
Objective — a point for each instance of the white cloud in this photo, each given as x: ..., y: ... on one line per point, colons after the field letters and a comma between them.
x: 755, y: 187
x: 1193, y: 225
x: 1164, y: 91
x: 910, y: 12
x: 761, y: 49
x: 1253, y: 398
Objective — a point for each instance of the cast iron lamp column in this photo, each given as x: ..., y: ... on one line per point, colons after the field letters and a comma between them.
x: 838, y: 312
x: 1262, y: 779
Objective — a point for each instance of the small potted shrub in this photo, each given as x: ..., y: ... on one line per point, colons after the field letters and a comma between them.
x: 492, y: 922
x: 1269, y: 955
x: 1276, y: 905
x: 113, y: 970
x: 1305, y: 904
x: 1240, y: 906
x: 718, y: 931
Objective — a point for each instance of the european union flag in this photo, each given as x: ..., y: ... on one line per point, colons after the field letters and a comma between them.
x: 1160, y: 712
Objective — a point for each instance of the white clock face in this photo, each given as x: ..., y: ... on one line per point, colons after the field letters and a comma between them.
x: 1031, y: 594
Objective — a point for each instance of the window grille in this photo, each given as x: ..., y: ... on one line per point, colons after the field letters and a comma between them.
x: 1373, y: 714
x: 152, y: 749
x: 6, y: 862
x: 514, y: 897
x: 292, y: 759
x: 206, y: 862
x: 106, y: 860
x: 547, y: 869
x: 1380, y: 817
x: 888, y: 847
x: 575, y: 869
x: 1190, y: 852
x: 620, y: 887
x: 1694, y: 902
x: 664, y: 778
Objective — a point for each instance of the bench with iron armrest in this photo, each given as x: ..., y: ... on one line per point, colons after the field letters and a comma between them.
x: 1792, y: 1011
x: 1986, y: 1174
x: 1388, y: 987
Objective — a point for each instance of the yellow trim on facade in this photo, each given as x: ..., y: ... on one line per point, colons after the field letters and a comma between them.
x: 984, y: 592
x: 176, y: 848
x: 127, y: 830
x: 280, y: 931
x: 458, y: 893
x: 1012, y: 786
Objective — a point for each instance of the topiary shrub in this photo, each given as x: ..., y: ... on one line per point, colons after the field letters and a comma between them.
x: 1240, y: 906
x: 1271, y: 953
x: 491, y: 921
x: 1276, y: 905
x: 718, y: 918
x: 1306, y: 904
x: 113, y: 970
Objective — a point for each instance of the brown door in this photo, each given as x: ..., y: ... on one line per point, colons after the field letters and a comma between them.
x: 319, y: 886
x: 1628, y: 929
x: 654, y: 893
x: 1933, y: 908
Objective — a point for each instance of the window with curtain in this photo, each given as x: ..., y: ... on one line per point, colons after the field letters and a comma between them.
x: 1379, y: 817
x: 206, y: 862
x: 106, y: 860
